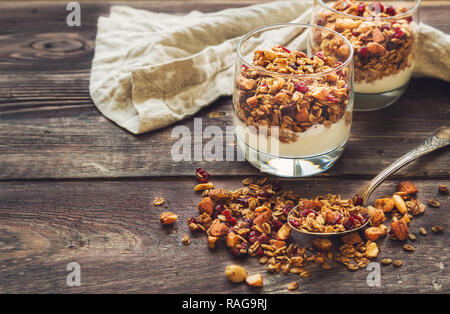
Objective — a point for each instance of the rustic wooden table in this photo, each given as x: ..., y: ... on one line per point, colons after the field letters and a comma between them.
x: 77, y: 188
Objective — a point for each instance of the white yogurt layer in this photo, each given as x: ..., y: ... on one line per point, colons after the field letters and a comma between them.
x: 314, y: 141
x: 385, y: 84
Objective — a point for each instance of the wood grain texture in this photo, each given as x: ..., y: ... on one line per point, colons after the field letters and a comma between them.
x: 112, y: 230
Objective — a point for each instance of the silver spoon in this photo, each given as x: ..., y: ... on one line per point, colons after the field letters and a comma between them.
x: 440, y: 138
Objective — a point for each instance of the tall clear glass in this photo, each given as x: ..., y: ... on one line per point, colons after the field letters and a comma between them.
x: 293, y: 98
x: 384, y: 38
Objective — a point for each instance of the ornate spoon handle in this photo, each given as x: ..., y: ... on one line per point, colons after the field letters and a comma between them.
x: 440, y: 138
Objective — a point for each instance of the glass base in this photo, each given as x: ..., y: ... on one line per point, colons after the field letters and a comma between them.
x: 369, y: 102
x: 290, y: 167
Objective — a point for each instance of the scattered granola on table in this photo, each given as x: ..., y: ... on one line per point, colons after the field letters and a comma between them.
x: 383, y: 37
x: 252, y: 221
x: 158, y: 201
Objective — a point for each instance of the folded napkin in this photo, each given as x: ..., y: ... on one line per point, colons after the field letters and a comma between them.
x: 153, y: 69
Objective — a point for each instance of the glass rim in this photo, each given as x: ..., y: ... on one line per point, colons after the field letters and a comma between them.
x: 303, y: 25
x: 368, y: 18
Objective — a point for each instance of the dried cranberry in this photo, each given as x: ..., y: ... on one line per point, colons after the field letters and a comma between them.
x: 243, y: 201
x: 363, y: 52
x: 249, y: 222
x: 277, y: 224
x: 357, y: 200
x: 244, y: 245
x: 361, y: 8
x: 245, y: 67
x: 350, y: 223
x: 356, y: 34
x: 253, y: 239
x: 301, y: 87
x: 287, y: 209
x: 263, y: 239
x: 385, y: 27
x: 294, y: 223
x: 232, y: 221
x: 285, y: 49
x: 226, y: 213
x: 377, y: 7
x: 192, y: 220
x: 202, y: 175
x: 260, y: 251
x: 358, y: 217
x: 276, y: 186
x: 398, y: 33
x: 236, y: 252
x: 390, y: 10
x: 294, y: 65
x: 409, y: 19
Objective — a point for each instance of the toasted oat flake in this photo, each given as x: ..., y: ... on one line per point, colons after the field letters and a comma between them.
x: 423, y: 231
x: 158, y: 201
x: 443, y: 189
x: 434, y: 203
x: 305, y: 274
x: 408, y: 248
x: 386, y: 261
x: 412, y: 237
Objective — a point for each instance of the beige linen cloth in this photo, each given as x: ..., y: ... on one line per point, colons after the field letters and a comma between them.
x: 153, y: 69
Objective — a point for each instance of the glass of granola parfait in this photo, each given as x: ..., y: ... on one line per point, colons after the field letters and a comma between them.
x: 384, y: 36
x: 293, y: 98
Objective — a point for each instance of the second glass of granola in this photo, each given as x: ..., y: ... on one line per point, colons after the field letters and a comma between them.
x: 293, y: 98
x: 384, y: 36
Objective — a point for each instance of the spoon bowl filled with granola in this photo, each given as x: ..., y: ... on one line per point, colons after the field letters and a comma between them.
x: 384, y: 39
x: 293, y: 98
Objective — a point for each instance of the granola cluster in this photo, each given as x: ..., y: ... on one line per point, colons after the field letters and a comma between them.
x: 252, y: 221
x: 328, y: 214
x: 382, y: 47
x: 293, y: 103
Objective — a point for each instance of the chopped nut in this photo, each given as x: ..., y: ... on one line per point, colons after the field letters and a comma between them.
x: 206, y: 205
x: 386, y: 204
x: 423, y: 231
x: 376, y: 49
x: 434, y: 203
x: 372, y: 250
x: 386, y: 261
x: 400, y: 229
x: 399, y: 204
x: 217, y: 228
x: 235, y: 273
x: 374, y: 233
x: 284, y: 232
x: 412, y: 237
x: 407, y: 187
x: 292, y: 286
x: 168, y: 218
x: 397, y: 263
x: 212, y: 242
x: 305, y: 274
x: 186, y: 240
x: 408, y: 248
x: 437, y: 229
x: 255, y: 280
x: 232, y: 240
x: 218, y: 195
x: 158, y: 201
x: 377, y: 217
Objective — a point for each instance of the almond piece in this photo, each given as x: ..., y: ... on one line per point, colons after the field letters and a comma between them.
x: 255, y: 280
x: 168, y: 218
x: 376, y: 49
x: 377, y: 35
x: 284, y: 232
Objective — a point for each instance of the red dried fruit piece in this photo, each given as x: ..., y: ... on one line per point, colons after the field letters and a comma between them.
x: 301, y: 87
x: 390, y: 10
x: 320, y: 55
x: 202, y: 175
x: 294, y: 223
x: 361, y: 8
x: 277, y: 224
x: 377, y: 7
x: 332, y: 99
x: 287, y: 209
x: 232, y: 221
x: 285, y: 49
x: 357, y: 200
x: 245, y: 67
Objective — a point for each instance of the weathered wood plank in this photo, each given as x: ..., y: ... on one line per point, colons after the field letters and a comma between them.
x: 112, y: 230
